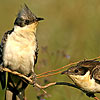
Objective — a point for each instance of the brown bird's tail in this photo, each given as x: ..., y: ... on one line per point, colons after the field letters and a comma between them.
x: 15, y: 88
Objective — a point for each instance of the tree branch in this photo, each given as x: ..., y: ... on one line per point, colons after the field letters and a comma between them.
x: 39, y: 86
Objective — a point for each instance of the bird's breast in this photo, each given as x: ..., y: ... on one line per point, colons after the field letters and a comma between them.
x: 85, y: 82
x: 19, y: 53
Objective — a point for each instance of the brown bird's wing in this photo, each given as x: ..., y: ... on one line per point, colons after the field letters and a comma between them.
x: 89, y: 63
x: 3, y: 74
x: 96, y: 73
x: 93, y: 66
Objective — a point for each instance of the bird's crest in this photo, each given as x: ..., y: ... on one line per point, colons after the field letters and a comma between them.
x: 26, y: 13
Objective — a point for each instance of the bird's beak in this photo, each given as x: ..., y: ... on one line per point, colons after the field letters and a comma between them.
x: 64, y: 72
x: 39, y: 19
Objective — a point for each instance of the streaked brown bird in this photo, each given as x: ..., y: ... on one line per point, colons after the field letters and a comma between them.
x: 86, y: 75
x: 18, y: 52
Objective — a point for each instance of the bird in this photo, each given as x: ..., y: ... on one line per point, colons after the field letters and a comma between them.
x: 86, y: 76
x: 19, y: 52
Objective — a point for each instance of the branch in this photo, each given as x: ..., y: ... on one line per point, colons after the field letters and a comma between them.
x: 68, y: 84
x: 31, y: 81
x: 16, y: 73
x: 57, y: 83
x: 39, y: 86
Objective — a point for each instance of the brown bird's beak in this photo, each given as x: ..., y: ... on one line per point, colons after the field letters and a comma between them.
x: 39, y: 19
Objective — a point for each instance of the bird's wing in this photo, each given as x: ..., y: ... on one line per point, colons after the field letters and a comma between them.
x: 96, y: 73
x: 89, y: 63
x: 36, y: 55
x: 3, y: 74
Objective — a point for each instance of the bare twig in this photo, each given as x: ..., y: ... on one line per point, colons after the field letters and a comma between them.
x: 49, y: 74
x: 46, y: 86
x: 31, y: 82
x: 41, y: 74
x: 39, y: 86
x: 22, y: 76
x: 16, y: 73
x: 44, y: 73
x: 63, y: 83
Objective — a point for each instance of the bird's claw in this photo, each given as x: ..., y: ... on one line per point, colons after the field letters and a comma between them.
x: 33, y: 78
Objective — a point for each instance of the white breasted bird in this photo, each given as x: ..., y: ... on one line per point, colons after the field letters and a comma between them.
x: 86, y: 75
x: 18, y: 52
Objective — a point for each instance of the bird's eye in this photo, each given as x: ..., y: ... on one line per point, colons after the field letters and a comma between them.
x: 27, y: 22
x: 76, y: 71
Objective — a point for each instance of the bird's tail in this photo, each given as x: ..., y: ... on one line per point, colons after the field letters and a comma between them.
x: 15, y: 88
x: 9, y: 95
x: 3, y: 79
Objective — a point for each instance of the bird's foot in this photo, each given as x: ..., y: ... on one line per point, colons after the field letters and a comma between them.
x: 33, y: 78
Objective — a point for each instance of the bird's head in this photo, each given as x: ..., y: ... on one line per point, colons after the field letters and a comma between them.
x: 81, y: 68
x: 78, y: 73
x: 26, y: 18
x: 76, y: 70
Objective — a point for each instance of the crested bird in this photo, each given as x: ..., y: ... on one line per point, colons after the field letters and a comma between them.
x: 19, y: 52
x: 86, y: 76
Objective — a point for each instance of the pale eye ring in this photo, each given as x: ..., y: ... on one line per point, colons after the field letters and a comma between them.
x: 76, y: 71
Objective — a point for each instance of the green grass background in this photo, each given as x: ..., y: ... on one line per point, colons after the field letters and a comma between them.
x: 70, y: 32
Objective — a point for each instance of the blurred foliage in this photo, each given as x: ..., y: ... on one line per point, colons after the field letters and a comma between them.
x: 70, y: 32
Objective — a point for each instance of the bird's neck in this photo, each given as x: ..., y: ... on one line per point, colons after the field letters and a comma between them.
x: 25, y: 29
x: 24, y: 32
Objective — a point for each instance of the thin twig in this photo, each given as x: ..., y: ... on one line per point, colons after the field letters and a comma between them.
x: 39, y: 86
x: 63, y: 83
x: 57, y: 69
x: 43, y: 74
x: 22, y: 76
x: 49, y: 74
x: 46, y: 86
x: 16, y: 73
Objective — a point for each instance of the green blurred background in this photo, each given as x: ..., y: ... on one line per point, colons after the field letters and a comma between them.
x: 70, y: 32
